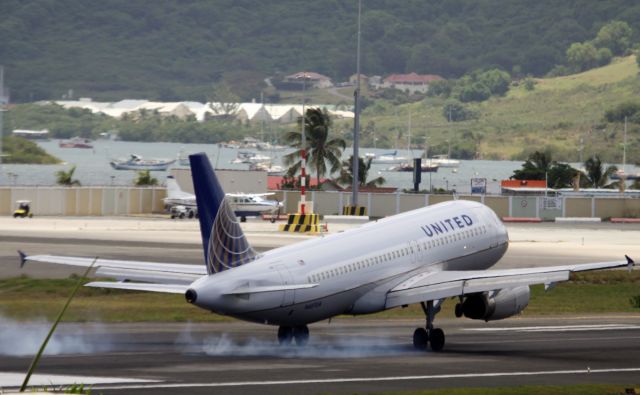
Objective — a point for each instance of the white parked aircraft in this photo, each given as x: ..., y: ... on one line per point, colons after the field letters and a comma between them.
x: 422, y: 256
x: 243, y: 204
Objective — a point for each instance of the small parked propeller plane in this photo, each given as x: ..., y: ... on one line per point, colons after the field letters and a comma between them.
x: 423, y: 256
x: 243, y: 204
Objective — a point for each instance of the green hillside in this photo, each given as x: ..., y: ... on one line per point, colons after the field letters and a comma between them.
x: 19, y: 150
x: 177, y: 50
x: 555, y: 115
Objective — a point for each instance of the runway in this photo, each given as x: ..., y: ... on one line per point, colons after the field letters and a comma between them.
x: 349, y: 355
x: 345, y: 355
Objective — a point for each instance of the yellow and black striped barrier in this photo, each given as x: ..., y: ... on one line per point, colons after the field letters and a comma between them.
x: 360, y: 211
x: 302, y: 223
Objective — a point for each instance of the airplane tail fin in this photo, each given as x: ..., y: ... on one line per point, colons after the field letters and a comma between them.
x: 225, y: 245
x: 173, y: 189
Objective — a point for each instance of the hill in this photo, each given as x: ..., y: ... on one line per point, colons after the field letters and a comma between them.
x: 179, y: 50
x: 563, y: 115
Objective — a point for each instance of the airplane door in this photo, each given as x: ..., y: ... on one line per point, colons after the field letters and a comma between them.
x: 287, y: 279
x: 417, y: 255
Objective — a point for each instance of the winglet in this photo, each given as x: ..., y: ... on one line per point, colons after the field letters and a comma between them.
x: 630, y: 262
x: 23, y: 258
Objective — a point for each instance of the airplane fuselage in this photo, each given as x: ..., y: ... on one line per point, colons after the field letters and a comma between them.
x: 353, y: 271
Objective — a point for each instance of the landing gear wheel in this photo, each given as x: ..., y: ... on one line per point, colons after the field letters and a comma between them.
x: 436, y: 338
x: 243, y: 219
x: 285, y: 335
x: 301, y: 335
x: 458, y: 310
x: 420, y: 339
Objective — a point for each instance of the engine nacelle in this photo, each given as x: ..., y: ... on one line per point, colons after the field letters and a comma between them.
x: 505, y: 303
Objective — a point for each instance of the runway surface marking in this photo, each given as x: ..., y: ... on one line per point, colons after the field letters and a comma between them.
x: 558, y: 328
x: 364, y: 379
x: 12, y: 379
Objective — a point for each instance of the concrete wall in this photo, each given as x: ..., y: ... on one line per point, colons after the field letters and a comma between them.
x: 84, y: 201
x: 104, y: 201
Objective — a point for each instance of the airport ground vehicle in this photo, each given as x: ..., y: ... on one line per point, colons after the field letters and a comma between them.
x: 23, y: 210
x: 180, y: 211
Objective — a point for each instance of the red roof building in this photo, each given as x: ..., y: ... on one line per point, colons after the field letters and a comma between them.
x: 411, y: 82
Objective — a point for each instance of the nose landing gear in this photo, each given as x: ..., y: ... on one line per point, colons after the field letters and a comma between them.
x: 300, y: 333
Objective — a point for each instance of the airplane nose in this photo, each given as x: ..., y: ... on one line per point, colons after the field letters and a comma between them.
x: 191, y: 295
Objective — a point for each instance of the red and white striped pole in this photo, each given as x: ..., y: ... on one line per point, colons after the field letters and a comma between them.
x: 303, y: 152
x: 303, y: 179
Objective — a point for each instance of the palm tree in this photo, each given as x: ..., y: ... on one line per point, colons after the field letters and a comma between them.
x: 535, y: 167
x: 66, y: 177
x: 597, y: 176
x: 346, y: 173
x: 144, y: 179
x: 319, y: 148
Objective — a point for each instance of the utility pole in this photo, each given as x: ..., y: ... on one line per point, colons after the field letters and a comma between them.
x: 356, y: 120
x: 4, y: 99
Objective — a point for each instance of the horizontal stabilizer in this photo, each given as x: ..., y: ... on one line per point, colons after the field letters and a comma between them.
x: 268, y: 288
x: 163, y: 288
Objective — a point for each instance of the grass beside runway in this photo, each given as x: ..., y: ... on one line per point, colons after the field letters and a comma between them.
x: 24, y: 298
x: 580, y: 389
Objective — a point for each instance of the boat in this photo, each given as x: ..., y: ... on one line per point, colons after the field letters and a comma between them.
x: 444, y: 161
x: 272, y: 170
x: 136, y: 162
x: 620, y: 174
x: 408, y: 167
x: 75, y: 142
x: 389, y: 158
x: 250, y: 157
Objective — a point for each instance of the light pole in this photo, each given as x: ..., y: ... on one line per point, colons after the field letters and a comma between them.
x: 3, y: 100
x: 356, y: 120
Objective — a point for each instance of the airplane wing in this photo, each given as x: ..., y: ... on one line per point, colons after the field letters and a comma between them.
x: 155, y: 276
x: 444, y: 284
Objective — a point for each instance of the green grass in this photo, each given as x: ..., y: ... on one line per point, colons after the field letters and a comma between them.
x: 25, y: 298
x: 579, y: 389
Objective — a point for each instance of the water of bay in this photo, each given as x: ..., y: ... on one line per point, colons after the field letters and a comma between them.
x: 93, y: 168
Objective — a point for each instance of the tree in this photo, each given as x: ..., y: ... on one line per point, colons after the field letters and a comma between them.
x: 582, y: 56
x: 66, y: 177
x: 597, y: 176
x: 603, y: 56
x: 476, y: 91
x: 319, y: 148
x: 496, y: 80
x: 534, y: 168
x: 625, y: 109
x: 615, y: 35
x: 455, y: 111
x: 144, y: 179
x: 346, y: 173
x: 539, y: 166
x: 561, y: 175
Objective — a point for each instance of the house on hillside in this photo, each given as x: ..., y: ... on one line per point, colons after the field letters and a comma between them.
x: 411, y: 82
x: 310, y: 78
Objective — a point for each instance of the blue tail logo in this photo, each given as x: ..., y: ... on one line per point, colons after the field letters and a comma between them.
x: 225, y: 245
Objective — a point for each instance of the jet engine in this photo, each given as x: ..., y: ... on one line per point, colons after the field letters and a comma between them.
x: 494, y: 306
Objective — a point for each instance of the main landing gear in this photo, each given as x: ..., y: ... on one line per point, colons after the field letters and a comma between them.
x: 429, y: 335
x: 286, y: 334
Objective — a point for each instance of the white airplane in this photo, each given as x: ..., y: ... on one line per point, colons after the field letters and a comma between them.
x: 243, y: 204
x: 253, y: 204
x: 423, y: 256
